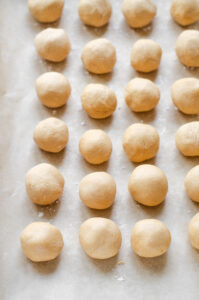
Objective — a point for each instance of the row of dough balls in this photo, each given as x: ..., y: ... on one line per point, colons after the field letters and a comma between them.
x: 101, y: 238
x: 138, y: 13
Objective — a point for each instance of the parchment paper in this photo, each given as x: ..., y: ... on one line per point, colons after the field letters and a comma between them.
x: 74, y: 275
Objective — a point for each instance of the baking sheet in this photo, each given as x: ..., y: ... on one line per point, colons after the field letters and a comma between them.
x: 74, y: 275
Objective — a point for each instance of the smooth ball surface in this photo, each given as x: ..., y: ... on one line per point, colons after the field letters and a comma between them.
x: 41, y: 241
x: 51, y: 135
x: 148, y: 185
x: 187, y: 140
x: 52, y: 44
x: 146, y: 55
x: 187, y: 48
x: 185, y: 95
x: 98, y: 101
x: 44, y: 184
x: 95, y: 146
x: 97, y: 190
x: 185, y: 12
x: 46, y: 11
x: 141, y: 95
x: 99, y: 56
x: 140, y: 142
x: 150, y: 238
x: 138, y: 13
x: 53, y: 89
x: 100, y: 238
x: 192, y: 184
x: 95, y: 13
x: 193, y: 231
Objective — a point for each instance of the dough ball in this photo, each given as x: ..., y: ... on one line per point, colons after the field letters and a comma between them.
x: 46, y: 11
x: 41, y: 241
x: 185, y: 95
x: 145, y: 55
x: 95, y: 13
x: 138, y: 13
x: 148, y: 185
x: 150, y: 238
x: 53, y: 89
x: 140, y: 142
x: 52, y: 44
x: 141, y: 95
x: 44, y: 184
x: 51, y: 135
x: 194, y: 231
x: 187, y: 140
x: 99, y: 56
x: 98, y: 101
x: 100, y: 238
x: 185, y: 12
x: 97, y: 190
x: 192, y: 184
x: 187, y: 48
x: 95, y: 146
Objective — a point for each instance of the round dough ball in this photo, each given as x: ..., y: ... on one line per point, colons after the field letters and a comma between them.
x: 140, y: 142
x: 141, y: 95
x: 97, y: 190
x: 95, y: 13
x: 148, y: 185
x: 192, y: 184
x: 52, y: 44
x: 138, y: 13
x: 41, y: 241
x: 95, y: 146
x: 44, y: 184
x: 187, y: 140
x: 185, y: 12
x: 100, y: 238
x: 194, y: 231
x: 146, y: 55
x: 150, y: 238
x: 46, y: 11
x: 51, y: 135
x: 99, y: 56
x: 185, y: 95
x: 98, y: 101
x: 187, y: 48
x: 53, y: 89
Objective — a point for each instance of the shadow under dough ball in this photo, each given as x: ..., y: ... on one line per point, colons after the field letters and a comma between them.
x: 187, y: 140
x: 46, y: 11
x: 52, y: 44
x: 185, y: 12
x: 192, y: 184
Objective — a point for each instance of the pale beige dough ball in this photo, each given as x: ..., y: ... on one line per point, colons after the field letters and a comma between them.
x: 98, y: 101
x: 53, y: 89
x: 140, y: 142
x: 97, y: 190
x: 95, y: 13
x: 41, y: 241
x: 138, y: 13
x: 148, y: 185
x: 146, y: 55
x: 150, y: 238
x: 187, y: 48
x: 100, y: 238
x: 95, y: 146
x: 44, y: 184
x: 185, y: 12
x: 187, y: 140
x: 193, y: 231
x: 141, y: 95
x: 99, y: 56
x: 185, y: 95
x: 46, y: 11
x: 52, y: 44
x: 51, y: 135
x: 192, y: 184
